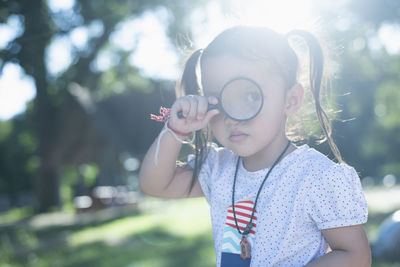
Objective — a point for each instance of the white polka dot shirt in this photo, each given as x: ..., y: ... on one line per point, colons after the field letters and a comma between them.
x: 305, y: 193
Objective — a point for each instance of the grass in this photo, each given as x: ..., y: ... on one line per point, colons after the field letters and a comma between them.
x: 15, y: 215
x: 164, y: 233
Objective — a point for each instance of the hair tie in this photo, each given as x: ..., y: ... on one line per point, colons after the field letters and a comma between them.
x: 164, y: 115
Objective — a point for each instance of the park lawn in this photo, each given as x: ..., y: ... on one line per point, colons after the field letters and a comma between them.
x: 168, y: 233
x: 163, y: 233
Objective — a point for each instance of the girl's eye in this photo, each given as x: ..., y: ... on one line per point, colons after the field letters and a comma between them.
x: 253, y: 96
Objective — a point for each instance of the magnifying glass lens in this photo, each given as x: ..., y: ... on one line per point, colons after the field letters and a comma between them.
x: 241, y: 99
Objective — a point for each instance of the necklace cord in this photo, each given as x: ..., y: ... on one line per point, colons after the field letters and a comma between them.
x: 250, y: 224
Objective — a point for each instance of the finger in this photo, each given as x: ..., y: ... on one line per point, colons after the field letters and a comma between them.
x: 202, y: 107
x: 192, y: 114
x: 212, y: 100
x: 181, y: 105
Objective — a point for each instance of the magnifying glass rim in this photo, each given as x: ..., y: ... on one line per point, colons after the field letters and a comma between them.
x: 229, y: 82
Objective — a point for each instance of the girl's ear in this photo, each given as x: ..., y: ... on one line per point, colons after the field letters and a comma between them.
x: 294, y: 99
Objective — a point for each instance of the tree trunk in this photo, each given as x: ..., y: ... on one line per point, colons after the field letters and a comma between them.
x: 32, y: 59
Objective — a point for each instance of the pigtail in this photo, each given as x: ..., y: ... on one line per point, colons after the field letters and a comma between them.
x: 190, y: 85
x: 316, y: 71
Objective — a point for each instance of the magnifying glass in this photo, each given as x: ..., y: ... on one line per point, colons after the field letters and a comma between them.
x: 240, y: 99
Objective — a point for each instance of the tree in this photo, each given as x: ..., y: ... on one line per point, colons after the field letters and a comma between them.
x: 57, y: 116
x: 367, y: 85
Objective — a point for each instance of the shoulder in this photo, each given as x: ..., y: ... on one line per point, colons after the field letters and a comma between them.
x: 331, y: 180
x: 333, y: 192
x: 215, y: 152
x: 214, y: 160
x: 318, y: 169
x: 319, y: 163
x: 314, y: 159
x: 218, y: 157
x: 214, y: 156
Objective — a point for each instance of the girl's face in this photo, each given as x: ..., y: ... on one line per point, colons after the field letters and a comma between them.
x: 251, y: 138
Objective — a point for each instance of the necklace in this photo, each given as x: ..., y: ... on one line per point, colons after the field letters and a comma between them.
x: 244, y: 244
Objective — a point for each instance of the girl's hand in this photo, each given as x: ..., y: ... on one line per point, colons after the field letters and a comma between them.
x: 195, y: 114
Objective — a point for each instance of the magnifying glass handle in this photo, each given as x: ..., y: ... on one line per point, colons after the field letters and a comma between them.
x: 210, y: 107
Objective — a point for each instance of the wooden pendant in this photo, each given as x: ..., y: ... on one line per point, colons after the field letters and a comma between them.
x: 245, y: 248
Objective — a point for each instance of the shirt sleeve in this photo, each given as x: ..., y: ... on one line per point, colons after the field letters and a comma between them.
x: 336, y: 198
x: 210, y: 163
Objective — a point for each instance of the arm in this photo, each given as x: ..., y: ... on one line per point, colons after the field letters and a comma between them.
x: 167, y: 179
x: 349, y: 248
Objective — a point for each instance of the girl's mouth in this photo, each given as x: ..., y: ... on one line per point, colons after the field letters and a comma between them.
x: 237, y: 137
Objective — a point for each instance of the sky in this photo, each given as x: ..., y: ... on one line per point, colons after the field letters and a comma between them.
x: 16, y: 89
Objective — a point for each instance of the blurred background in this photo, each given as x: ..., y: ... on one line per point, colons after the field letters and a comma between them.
x: 79, y: 78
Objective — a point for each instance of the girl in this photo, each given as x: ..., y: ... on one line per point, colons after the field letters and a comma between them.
x: 271, y: 203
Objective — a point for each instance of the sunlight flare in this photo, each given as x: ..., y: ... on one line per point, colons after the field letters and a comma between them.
x: 281, y: 16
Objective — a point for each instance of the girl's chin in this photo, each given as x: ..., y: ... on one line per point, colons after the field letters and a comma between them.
x: 239, y: 148
x: 243, y: 153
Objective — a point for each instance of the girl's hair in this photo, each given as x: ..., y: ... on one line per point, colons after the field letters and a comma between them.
x: 258, y: 43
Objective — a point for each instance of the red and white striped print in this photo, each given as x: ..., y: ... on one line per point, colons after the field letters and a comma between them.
x: 243, y: 210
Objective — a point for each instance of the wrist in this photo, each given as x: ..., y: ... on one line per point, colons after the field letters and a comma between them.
x: 180, y: 137
x: 177, y: 132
